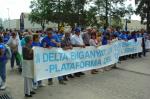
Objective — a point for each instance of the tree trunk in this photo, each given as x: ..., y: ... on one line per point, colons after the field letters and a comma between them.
x: 148, y: 17
x: 43, y: 26
x: 107, y: 13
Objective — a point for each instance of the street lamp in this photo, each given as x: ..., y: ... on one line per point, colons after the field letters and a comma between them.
x: 127, y: 17
x: 8, y: 17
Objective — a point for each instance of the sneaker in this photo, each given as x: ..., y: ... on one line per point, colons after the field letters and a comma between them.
x: 32, y: 93
x: 35, y: 87
x: 81, y: 73
x: 70, y: 76
x: 3, y: 87
x: 93, y: 72
x: 41, y: 85
x: 26, y: 95
x: 50, y: 82
x: 77, y: 75
x: 65, y: 78
x: 62, y: 82
x: 20, y: 70
x: 101, y: 70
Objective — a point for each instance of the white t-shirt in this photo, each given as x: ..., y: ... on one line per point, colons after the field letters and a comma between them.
x: 13, y: 41
x: 77, y: 40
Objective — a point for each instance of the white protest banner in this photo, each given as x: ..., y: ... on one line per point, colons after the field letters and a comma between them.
x: 130, y: 47
x: 50, y: 63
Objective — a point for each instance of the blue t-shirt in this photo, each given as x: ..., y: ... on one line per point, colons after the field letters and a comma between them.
x: 116, y: 33
x: 104, y: 40
x: 48, y: 42
x: 133, y: 36
x: 123, y: 36
x: 6, y: 38
x: 36, y: 44
x: 60, y: 36
x: 139, y: 35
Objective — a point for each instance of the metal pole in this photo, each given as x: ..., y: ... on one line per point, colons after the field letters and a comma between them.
x: 59, y: 20
x: 8, y: 18
x: 126, y: 26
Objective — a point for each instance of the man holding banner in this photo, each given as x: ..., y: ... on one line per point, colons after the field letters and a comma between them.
x: 48, y: 42
x: 66, y: 45
x: 77, y: 41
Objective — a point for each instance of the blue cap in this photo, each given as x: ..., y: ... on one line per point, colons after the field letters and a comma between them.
x: 2, y: 46
x: 77, y: 30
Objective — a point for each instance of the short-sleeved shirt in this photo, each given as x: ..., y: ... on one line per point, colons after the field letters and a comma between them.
x: 104, y: 40
x: 48, y: 42
x: 77, y: 40
x: 123, y: 36
x: 23, y: 43
x: 60, y: 36
x: 6, y: 38
x: 36, y: 44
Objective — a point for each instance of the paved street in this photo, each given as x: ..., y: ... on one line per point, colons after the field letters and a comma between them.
x: 130, y: 81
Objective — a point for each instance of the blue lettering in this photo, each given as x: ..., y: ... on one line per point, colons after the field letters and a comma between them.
x: 53, y: 68
x: 45, y: 57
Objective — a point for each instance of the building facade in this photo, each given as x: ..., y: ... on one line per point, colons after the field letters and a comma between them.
x: 25, y: 24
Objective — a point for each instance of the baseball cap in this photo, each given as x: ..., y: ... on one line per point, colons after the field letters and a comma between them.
x: 2, y: 46
x: 77, y: 30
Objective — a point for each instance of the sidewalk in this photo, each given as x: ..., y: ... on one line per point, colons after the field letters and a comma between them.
x: 130, y: 81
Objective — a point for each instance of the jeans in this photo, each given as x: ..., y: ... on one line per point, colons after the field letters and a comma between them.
x: 3, y: 70
x: 13, y: 58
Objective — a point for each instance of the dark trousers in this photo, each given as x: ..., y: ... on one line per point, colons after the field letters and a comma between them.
x: 13, y: 58
x: 144, y: 51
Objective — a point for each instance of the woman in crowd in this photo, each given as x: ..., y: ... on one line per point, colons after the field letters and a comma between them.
x: 36, y: 42
x: 28, y: 67
x: 93, y: 42
x: 13, y: 44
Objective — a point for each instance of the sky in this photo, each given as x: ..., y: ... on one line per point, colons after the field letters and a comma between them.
x: 16, y: 7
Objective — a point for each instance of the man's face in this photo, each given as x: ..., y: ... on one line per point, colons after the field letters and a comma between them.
x: 67, y: 34
x: 109, y: 30
x: 142, y: 31
x: 13, y: 35
x: 89, y: 30
x: 49, y: 35
x: 30, y: 42
x: 78, y: 33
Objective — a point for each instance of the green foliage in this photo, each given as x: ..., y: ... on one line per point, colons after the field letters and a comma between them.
x: 75, y: 12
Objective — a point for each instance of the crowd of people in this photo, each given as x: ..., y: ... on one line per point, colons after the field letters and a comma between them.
x: 65, y: 39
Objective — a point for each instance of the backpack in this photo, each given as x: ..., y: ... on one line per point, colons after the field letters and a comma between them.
x: 8, y: 52
x: 5, y: 51
x: 2, y: 50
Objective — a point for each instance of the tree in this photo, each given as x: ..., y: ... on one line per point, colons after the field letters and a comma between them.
x: 143, y: 10
x: 74, y: 12
x: 41, y: 11
x: 111, y: 9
